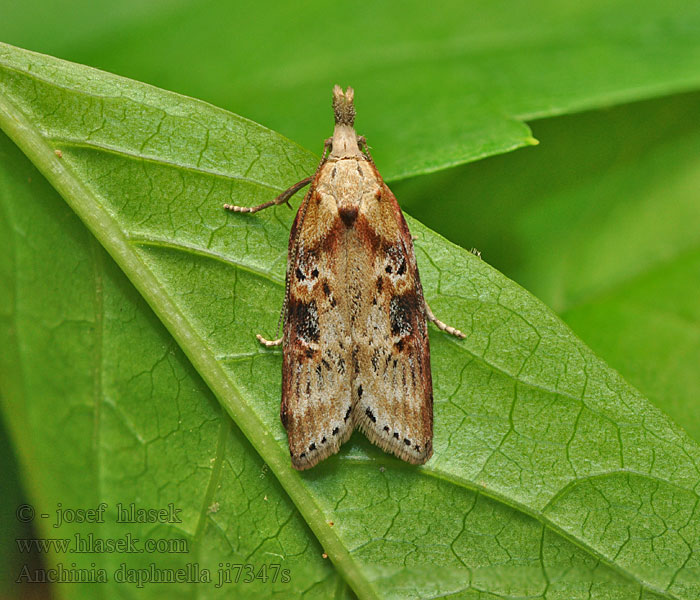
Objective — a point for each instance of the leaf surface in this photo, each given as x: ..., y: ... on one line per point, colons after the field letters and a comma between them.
x: 436, y: 85
x: 601, y: 223
x: 551, y: 475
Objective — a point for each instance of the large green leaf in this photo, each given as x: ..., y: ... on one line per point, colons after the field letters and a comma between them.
x: 438, y: 84
x: 550, y: 476
x: 601, y: 223
x: 106, y: 408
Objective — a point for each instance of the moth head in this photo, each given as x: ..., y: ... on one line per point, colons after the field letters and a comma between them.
x: 343, y: 106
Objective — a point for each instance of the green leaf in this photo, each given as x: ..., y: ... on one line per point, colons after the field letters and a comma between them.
x: 437, y: 85
x: 10, y: 528
x: 647, y: 327
x: 551, y: 475
x: 600, y: 223
x: 105, y: 407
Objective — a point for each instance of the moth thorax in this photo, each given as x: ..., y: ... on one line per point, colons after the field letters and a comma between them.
x: 344, y: 142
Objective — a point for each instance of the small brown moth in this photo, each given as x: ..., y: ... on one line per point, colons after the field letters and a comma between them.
x: 355, y: 339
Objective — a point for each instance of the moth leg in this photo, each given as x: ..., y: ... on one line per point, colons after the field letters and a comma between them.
x: 440, y: 325
x: 362, y: 144
x: 268, y: 343
x: 281, y: 199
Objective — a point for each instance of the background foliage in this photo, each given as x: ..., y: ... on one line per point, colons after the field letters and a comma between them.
x: 599, y: 221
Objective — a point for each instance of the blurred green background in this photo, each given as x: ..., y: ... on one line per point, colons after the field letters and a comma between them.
x: 601, y: 220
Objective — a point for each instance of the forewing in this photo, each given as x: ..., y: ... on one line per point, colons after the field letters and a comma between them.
x: 392, y: 386
x: 316, y: 396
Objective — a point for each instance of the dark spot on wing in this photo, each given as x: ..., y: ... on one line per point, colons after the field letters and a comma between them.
x: 396, y: 434
x: 359, y: 392
x: 347, y: 414
x: 407, y: 441
x: 375, y: 360
x: 402, y: 267
x: 335, y: 431
x: 401, y: 312
x: 314, y: 273
x: 370, y: 414
x: 299, y: 274
x: 348, y: 214
x: 386, y: 428
x: 312, y: 447
x: 388, y: 269
x: 380, y: 284
x: 304, y: 316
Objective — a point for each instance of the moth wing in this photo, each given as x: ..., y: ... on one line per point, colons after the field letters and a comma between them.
x: 393, y: 388
x: 316, y: 398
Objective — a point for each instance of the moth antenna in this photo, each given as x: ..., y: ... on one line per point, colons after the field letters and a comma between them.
x: 343, y: 106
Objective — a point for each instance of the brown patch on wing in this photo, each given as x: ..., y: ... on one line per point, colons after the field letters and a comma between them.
x: 316, y: 400
x: 356, y: 350
x: 390, y: 337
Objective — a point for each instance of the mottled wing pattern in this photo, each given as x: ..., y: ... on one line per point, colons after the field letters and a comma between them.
x: 316, y: 398
x: 392, y: 385
x: 355, y: 344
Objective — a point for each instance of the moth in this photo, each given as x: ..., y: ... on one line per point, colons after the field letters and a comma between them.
x: 355, y: 338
